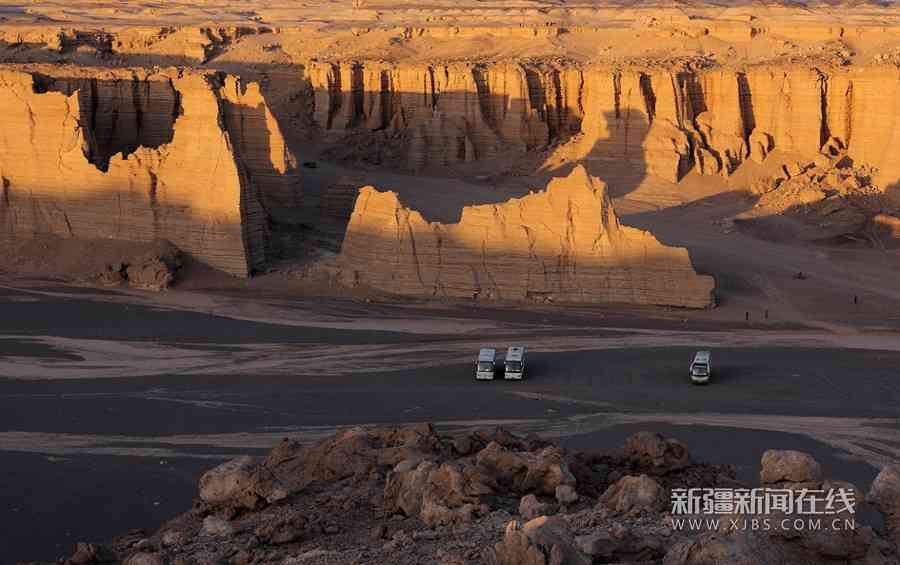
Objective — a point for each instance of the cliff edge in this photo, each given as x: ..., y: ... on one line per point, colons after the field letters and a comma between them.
x: 564, y: 243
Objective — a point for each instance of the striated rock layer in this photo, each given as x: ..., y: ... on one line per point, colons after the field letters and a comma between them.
x: 564, y: 243
x: 453, y: 113
x: 182, y: 156
x: 664, y: 121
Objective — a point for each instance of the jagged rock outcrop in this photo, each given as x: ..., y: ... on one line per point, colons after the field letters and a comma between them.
x: 564, y: 243
x: 176, y: 155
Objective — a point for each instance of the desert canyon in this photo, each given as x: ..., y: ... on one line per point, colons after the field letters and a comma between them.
x: 212, y: 137
x: 347, y: 199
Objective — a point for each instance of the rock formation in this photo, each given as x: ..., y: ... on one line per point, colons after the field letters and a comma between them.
x: 407, y: 496
x: 564, y: 243
x: 541, y: 541
x: 634, y: 494
x: 885, y: 496
x: 155, y: 270
x: 830, y: 198
x: 659, y: 454
x: 448, y: 114
x: 661, y: 121
x: 176, y: 155
x: 787, y: 466
x: 199, y: 158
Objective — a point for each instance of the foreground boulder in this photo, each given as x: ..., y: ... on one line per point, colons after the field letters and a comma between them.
x: 786, y: 547
x: 770, y: 543
x: 229, y: 483
x: 540, y: 472
x: 530, y: 507
x: 543, y: 541
x: 356, y: 453
x: 438, y: 494
x: 885, y: 496
x: 245, y: 484
x: 145, y: 558
x: 645, y: 541
x: 240, y: 484
x: 632, y: 493
x: 566, y: 495
x: 738, y: 548
x: 658, y: 455
x: 787, y: 466
x: 87, y: 553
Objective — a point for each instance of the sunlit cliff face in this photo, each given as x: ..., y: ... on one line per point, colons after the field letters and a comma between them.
x: 199, y: 186
x: 212, y: 162
x: 669, y: 120
x: 563, y: 243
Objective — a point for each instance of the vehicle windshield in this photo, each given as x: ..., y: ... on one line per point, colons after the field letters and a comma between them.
x: 485, y: 366
x: 514, y: 366
x: 700, y: 369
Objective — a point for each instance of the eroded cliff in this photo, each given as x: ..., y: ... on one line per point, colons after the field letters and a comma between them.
x: 177, y: 155
x: 208, y: 160
x: 663, y: 121
x: 564, y: 243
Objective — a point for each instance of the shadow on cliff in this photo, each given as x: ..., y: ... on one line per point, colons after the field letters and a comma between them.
x: 122, y: 115
x: 349, y: 138
x: 118, y: 116
x: 149, y: 120
x: 619, y: 159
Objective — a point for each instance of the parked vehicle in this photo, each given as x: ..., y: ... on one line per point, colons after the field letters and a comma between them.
x: 701, y: 368
x: 485, y: 364
x: 514, y: 365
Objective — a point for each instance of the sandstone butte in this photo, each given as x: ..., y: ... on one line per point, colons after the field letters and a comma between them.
x: 178, y: 155
x: 564, y: 243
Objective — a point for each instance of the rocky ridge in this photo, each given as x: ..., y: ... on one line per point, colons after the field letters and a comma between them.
x: 412, y: 495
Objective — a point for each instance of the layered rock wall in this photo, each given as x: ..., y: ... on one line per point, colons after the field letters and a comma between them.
x: 173, y: 155
x: 450, y: 113
x: 564, y: 243
x: 662, y: 122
